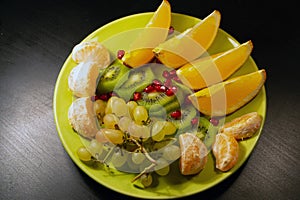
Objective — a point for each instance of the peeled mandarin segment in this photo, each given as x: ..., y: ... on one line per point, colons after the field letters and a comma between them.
x: 206, y: 71
x: 190, y: 44
x: 243, y: 127
x: 193, y: 154
x: 226, y: 151
x: 228, y: 96
x: 155, y: 32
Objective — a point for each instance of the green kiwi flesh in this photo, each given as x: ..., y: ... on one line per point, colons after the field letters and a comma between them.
x: 110, y: 77
x: 136, y: 80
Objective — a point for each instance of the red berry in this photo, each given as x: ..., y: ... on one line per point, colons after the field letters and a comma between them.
x: 166, y: 74
x: 149, y: 88
x: 169, y: 92
x: 176, y: 114
x: 214, y: 121
x: 194, y: 121
x: 171, y: 30
x: 120, y: 54
x: 137, y: 96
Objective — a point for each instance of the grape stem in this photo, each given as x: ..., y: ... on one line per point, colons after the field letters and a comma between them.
x: 144, y: 151
x: 145, y: 171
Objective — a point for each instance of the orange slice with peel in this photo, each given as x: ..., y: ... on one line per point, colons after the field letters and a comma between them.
x: 226, y: 97
x: 190, y: 44
x: 154, y: 33
x: 206, y: 71
x: 226, y: 151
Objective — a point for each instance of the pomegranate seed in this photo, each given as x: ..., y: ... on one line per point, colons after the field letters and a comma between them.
x: 137, y: 96
x: 120, y: 54
x: 149, y: 88
x: 177, y: 79
x: 169, y: 92
x: 93, y: 98
x: 194, y: 121
x: 174, y: 89
x: 156, y: 82
x: 214, y: 121
x: 166, y: 74
x: 171, y: 30
x: 187, y: 100
x: 168, y: 83
x: 162, y: 88
x: 104, y: 97
x: 173, y: 73
x: 176, y: 114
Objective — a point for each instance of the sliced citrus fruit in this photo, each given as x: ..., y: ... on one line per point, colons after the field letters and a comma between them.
x: 226, y: 151
x: 190, y: 44
x: 193, y: 154
x: 206, y: 71
x: 155, y: 32
x: 91, y: 51
x: 228, y: 96
x: 243, y: 127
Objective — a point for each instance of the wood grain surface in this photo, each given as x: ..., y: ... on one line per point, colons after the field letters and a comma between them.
x: 37, y: 36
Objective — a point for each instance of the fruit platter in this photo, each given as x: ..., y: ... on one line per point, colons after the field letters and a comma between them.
x: 160, y: 105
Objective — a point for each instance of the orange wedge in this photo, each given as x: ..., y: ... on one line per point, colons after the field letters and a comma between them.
x: 228, y: 96
x: 226, y: 151
x: 190, y: 44
x: 207, y: 71
x: 155, y: 32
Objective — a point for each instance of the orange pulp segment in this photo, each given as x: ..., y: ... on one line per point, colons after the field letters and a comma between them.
x: 226, y: 151
x: 155, y: 32
x: 206, y: 71
x: 228, y: 96
x: 190, y: 44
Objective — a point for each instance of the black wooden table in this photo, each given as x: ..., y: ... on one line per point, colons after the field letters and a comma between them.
x: 37, y: 36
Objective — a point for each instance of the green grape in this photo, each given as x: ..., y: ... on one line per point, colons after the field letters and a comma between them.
x: 84, y: 154
x: 157, y: 131
x: 110, y: 121
x: 138, y: 131
x: 140, y: 114
x: 134, y: 168
x: 95, y: 147
x: 119, y: 158
x: 131, y: 105
x: 169, y: 128
x: 112, y: 135
x: 123, y: 123
x: 138, y: 157
x: 146, y: 180
x: 119, y: 107
x: 171, y: 152
x: 162, y: 168
x: 99, y: 107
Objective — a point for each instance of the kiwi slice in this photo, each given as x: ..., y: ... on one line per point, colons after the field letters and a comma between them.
x: 152, y: 98
x: 136, y: 80
x: 183, y: 124
x: 111, y: 76
x: 208, y: 130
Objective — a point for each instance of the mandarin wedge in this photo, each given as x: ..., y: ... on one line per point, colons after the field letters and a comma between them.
x: 190, y: 44
x: 193, y: 154
x: 228, y: 96
x: 206, y: 71
x: 226, y: 151
x: 154, y: 33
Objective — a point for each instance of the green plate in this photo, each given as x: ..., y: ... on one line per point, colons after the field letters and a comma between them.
x: 174, y: 185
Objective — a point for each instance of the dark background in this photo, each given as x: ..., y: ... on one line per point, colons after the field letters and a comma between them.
x: 37, y: 36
